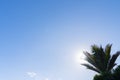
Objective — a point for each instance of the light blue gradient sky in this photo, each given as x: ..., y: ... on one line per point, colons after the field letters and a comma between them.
x: 44, y: 36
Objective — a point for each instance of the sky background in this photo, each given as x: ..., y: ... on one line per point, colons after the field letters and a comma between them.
x: 43, y: 39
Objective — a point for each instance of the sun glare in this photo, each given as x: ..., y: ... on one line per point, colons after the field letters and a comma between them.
x: 80, y: 57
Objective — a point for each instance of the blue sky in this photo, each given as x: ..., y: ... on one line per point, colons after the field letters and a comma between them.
x: 40, y: 40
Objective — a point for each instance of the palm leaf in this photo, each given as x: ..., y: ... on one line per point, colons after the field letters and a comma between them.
x: 107, y: 54
x: 112, y: 61
x: 107, y: 51
x: 99, y: 57
x: 91, y: 67
x: 94, y: 48
x: 89, y: 58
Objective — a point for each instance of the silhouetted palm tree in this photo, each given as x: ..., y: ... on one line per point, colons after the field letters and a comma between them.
x: 101, y: 60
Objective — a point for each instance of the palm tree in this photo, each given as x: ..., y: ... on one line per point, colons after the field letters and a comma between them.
x: 101, y: 60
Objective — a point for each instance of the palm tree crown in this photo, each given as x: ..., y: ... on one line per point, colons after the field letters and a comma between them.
x: 101, y: 60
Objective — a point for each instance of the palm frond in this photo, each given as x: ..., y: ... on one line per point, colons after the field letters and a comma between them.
x: 112, y: 61
x: 107, y: 55
x: 107, y: 51
x: 89, y: 58
x: 94, y: 48
x: 91, y: 67
x: 99, y: 57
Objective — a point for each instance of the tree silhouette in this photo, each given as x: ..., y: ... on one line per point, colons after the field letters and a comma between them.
x: 101, y: 61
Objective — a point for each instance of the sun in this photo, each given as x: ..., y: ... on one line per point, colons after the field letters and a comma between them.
x: 80, y: 57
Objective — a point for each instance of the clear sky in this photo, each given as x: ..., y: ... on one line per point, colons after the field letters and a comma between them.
x: 41, y: 39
